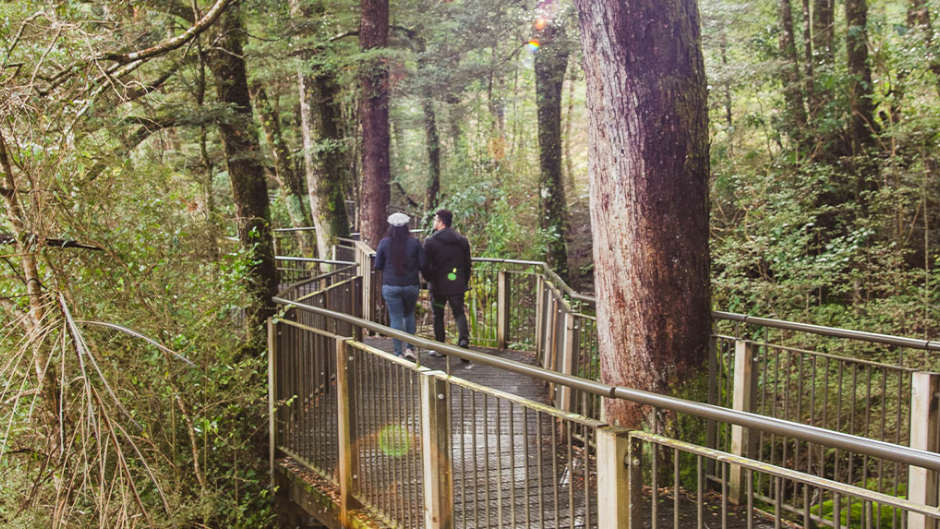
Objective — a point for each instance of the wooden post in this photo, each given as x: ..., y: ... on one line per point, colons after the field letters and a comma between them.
x: 502, y: 309
x: 437, y: 463
x: 347, y: 462
x: 925, y: 419
x: 567, y: 360
x: 740, y: 436
x: 613, y: 482
x: 272, y: 397
x: 539, y: 312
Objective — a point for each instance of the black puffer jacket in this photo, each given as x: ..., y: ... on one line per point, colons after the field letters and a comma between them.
x: 447, y: 262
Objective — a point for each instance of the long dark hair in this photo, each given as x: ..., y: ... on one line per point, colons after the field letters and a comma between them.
x: 398, y: 243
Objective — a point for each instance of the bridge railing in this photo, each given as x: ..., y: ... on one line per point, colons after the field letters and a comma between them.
x: 411, y: 447
x: 523, y: 304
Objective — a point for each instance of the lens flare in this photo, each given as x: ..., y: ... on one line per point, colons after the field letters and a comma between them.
x: 394, y: 440
x: 539, y: 23
x: 533, y: 45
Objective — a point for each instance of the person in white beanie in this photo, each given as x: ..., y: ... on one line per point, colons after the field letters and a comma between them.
x: 400, y: 257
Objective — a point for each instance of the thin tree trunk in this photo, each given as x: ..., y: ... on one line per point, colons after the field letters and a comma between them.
x: 823, y: 31
x: 649, y: 193
x: 289, y: 183
x: 433, y: 142
x: 729, y: 122
x: 551, y: 61
x: 242, y: 155
x: 373, y: 116
x: 795, y: 121
x: 808, y: 78
x: 572, y: 192
x: 823, y: 37
x: 861, y: 123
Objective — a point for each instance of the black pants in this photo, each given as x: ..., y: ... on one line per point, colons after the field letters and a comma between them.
x: 456, y: 307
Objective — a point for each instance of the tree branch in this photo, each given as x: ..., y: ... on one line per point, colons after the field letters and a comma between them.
x: 172, y: 43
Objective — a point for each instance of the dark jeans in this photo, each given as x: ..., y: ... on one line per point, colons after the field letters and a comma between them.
x: 456, y: 307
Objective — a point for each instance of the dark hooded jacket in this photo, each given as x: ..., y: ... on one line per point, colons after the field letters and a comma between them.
x: 447, y: 262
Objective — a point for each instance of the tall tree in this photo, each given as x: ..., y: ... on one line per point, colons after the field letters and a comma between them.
x: 862, y: 108
x: 551, y: 61
x: 243, y: 158
x: 375, y: 192
x: 323, y: 139
x: 792, y: 91
x: 823, y: 39
x: 649, y: 192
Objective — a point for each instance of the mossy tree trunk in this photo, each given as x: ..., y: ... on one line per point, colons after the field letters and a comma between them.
x: 646, y: 96
x: 243, y: 158
x: 288, y: 181
x: 551, y: 61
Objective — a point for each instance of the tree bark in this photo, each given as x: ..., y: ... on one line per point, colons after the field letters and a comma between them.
x: 288, y: 181
x: 795, y: 120
x: 331, y: 169
x: 823, y: 31
x: 822, y: 55
x: 649, y: 192
x: 861, y: 123
x: 373, y: 117
x: 551, y: 61
x: 242, y: 155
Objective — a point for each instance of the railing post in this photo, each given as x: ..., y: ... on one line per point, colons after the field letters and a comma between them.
x: 925, y: 420
x: 437, y: 465
x: 272, y: 397
x: 613, y: 481
x: 502, y: 309
x: 740, y: 436
x: 635, y: 481
x: 347, y: 462
x: 539, y: 313
x: 568, y: 354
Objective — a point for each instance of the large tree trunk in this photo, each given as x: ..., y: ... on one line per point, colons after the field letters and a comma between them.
x: 242, y: 155
x: 288, y: 181
x: 861, y: 122
x: 649, y: 192
x: 551, y: 61
x: 795, y: 121
x: 373, y: 116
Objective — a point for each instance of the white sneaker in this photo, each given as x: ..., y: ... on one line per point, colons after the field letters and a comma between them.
x: 435, y: 354
x: 410, y: 354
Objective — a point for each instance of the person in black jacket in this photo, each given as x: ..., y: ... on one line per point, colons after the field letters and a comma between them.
x: 400, y: 257
x: 447, y: 269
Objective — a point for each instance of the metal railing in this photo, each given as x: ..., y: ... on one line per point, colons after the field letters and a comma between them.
x: 449, y: 445
x: 517, y: 304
